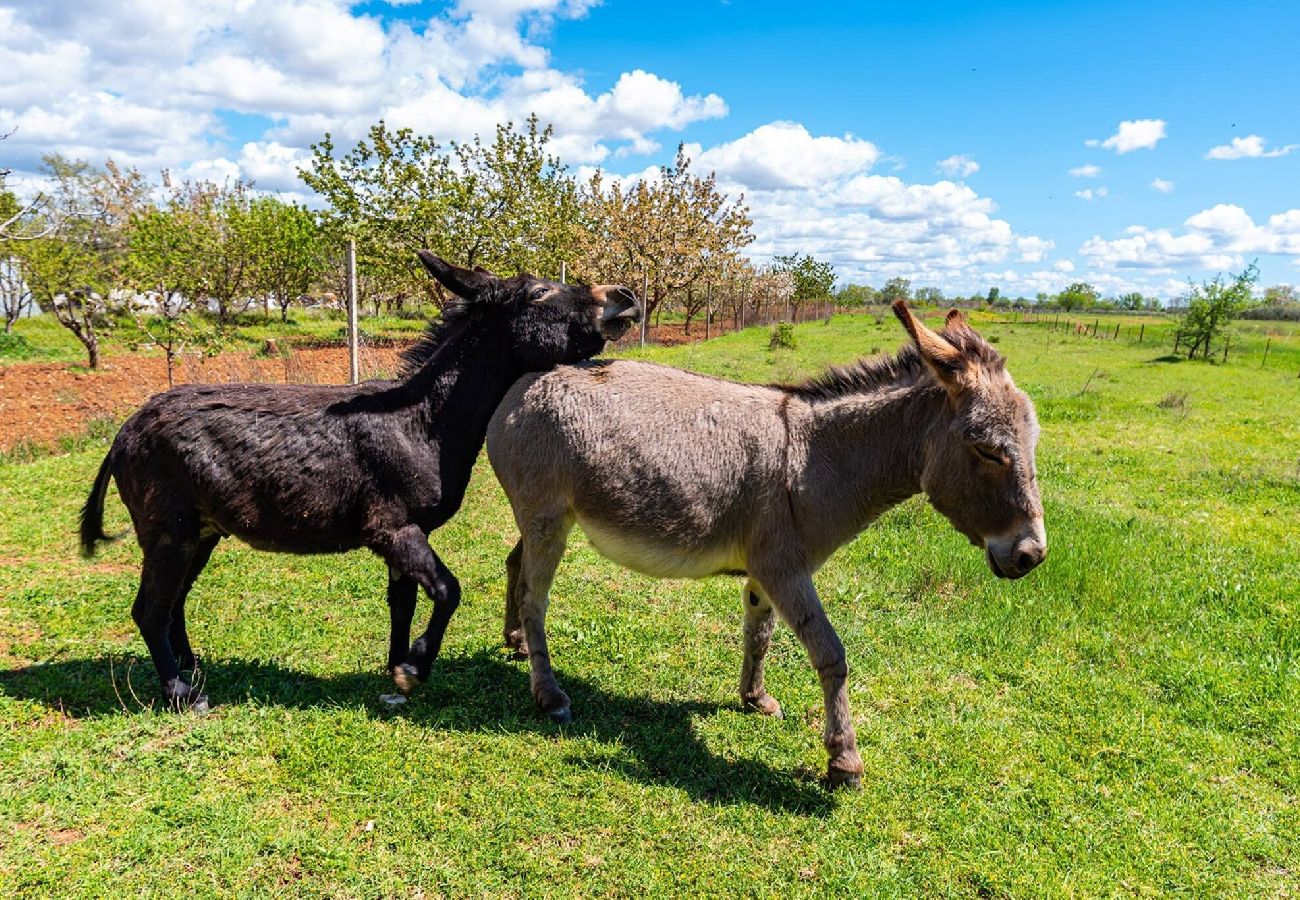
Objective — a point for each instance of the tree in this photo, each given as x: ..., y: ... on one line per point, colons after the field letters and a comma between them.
x: 1281, y: 295
x: 1131, y: 301
x: 856, y: 296
x: 1079, y: 295
x: 994, y: 295
x: 813, y: 279
x: 76, y: 269
x: 672, y: 229
x: 1211, y: 306
x: 288, y: 251
x: 896, y: 289
x: 15, y: 294
x: 930, y: 296
x: 23, y: 221
x: 509, y: 205
x: 222, y: 244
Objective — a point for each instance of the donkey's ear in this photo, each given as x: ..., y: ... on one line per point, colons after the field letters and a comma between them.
x: 466, y: 283
x: 946, y: 361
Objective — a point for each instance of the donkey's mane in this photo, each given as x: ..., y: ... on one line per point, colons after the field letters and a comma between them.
x: 903, y: 368
x: 436, y: 333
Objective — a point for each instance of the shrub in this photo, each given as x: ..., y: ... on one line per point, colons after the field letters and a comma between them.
x: 782, y: 337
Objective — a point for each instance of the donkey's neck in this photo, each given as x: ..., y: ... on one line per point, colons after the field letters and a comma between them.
x: 452, y: 396
x: 863, y: 453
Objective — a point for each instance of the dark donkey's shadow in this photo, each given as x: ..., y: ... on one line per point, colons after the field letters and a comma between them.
x: 481, y: 691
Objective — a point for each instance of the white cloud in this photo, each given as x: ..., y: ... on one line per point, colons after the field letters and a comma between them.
x: 146, y: 84
x: 1249, y: 147
x: 1139, y: 134
x: 1220, y: 237
x: 1163, y: 186
x: 958, y: 166
x: 1063, y: 265
x: 785, y: 155
x: 1088, y: 171
x: 1093, y: 193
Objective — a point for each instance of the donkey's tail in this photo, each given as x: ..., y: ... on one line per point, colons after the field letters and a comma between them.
x: 92, y: 514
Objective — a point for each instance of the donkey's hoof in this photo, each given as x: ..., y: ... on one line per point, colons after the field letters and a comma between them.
x: 191, y: 702
x: 843, y: 780
x: 765, y: 705
x: 561, y: 716
x: 392, y: 700
x: 406, y: 678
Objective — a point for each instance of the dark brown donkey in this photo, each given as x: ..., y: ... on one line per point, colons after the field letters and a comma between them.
x: 681, y: 476
x: 323, y: 469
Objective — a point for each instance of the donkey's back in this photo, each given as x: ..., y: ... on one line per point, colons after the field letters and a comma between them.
x: 570, y: 443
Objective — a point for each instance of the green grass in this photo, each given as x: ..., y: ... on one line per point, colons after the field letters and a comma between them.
x: 42, y: 339
x: 1123, y: 721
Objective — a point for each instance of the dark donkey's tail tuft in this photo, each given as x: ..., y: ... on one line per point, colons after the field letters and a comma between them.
x: 92, y: 514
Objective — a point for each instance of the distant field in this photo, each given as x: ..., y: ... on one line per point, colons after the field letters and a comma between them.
x: 1123, y: 721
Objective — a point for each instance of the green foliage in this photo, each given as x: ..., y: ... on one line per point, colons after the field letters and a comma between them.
x: 1077, y: 296
x: 509, y: 205
x: 929, y: 296
x: 1211, y: 306
x: 782, y: 337
x: 896, y: 289
x: 856, y: 296
x: 813, y: 279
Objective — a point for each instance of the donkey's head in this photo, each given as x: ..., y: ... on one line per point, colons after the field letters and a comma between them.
x: 979, y: 459
x: 548, y: 323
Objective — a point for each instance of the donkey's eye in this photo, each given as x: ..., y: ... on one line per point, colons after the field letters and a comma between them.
x: 991, y: 454
x: 539, y: 293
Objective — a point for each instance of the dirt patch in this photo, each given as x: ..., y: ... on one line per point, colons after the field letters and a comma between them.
x: 43, y: 402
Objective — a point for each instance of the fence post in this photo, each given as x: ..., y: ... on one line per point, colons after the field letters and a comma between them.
x: 564, y: 272
x: 708, y: 308
x: 354, y: 368
x: 1116, y: 337
x: 1141, y: 330
x: 1267, y: 344
x: 645, y: 304
x: 1227, y: 340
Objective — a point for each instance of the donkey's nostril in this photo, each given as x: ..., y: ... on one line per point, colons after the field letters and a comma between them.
x: 1025, y: 561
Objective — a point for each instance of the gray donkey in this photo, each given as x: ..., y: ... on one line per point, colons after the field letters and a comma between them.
x: 679, y: 475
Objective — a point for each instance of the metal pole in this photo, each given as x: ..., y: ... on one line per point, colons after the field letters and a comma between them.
x: 354, y: 369
x: 645, y: 304
x: 564, y: 272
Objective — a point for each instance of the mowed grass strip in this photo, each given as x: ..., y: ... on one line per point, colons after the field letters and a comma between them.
x: 1122, y: 721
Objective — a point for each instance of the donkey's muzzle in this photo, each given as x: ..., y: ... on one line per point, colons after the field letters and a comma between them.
x: 1019, y: 555
x: 620, y: 311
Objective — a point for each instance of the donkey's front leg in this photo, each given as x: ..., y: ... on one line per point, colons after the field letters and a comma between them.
x: 407, y: 551
x: 796, y: 601
x: 402, y: 592
x: 760, y: 619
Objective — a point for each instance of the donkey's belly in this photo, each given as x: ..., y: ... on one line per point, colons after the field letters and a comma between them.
x: 661, y: 556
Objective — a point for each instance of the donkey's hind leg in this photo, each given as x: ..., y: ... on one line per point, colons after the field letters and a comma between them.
x: 166, y: 564
x: 407, y: 551
x: 179, y: 637
x: 760, y: 620
x: 544, y: 538
x: 515, y: 585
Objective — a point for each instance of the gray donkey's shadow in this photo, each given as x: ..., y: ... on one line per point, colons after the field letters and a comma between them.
x: 481, y: 691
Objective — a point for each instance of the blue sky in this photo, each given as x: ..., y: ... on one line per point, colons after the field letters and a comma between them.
x: 831, y: 117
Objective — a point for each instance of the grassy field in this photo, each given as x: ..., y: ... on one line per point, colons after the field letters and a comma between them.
x: 42, y: 339
x: 1122, y: 722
